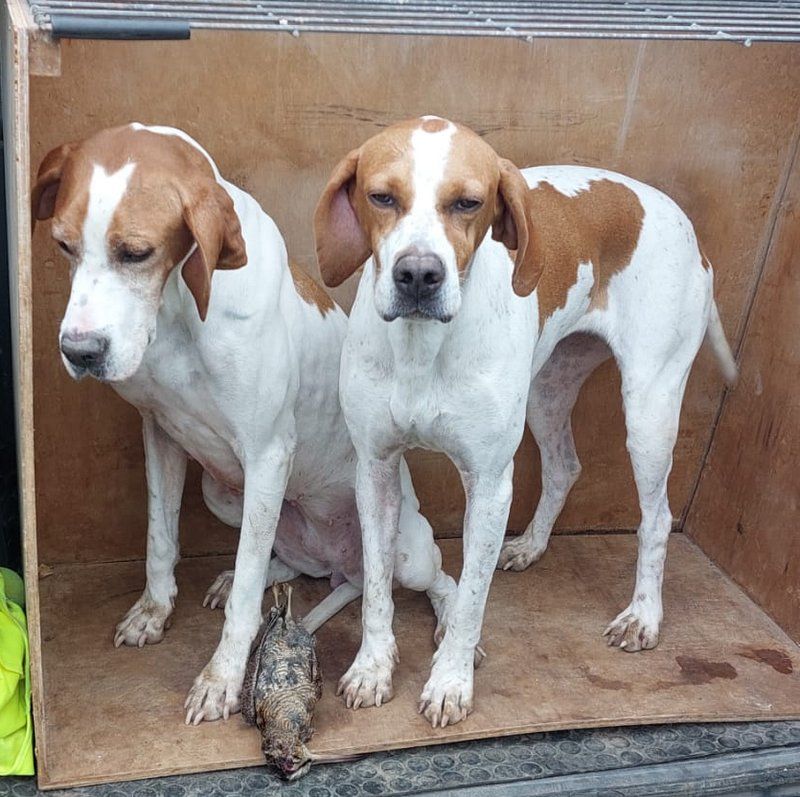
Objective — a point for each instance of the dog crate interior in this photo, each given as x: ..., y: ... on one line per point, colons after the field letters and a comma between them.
x: 715, y: 124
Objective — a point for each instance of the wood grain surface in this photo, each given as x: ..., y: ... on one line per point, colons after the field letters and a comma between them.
x: 710, y: 123
x: 118, y: 714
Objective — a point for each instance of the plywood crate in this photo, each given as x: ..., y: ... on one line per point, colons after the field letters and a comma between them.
x: 714, y: 124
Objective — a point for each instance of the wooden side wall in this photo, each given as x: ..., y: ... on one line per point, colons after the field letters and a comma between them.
x: 16, y: 35
x: 710, y: 123
x: 746, y: 514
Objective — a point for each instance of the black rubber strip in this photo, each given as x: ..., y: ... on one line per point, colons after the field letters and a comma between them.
x: 755, y: 773
x: 69, y: 26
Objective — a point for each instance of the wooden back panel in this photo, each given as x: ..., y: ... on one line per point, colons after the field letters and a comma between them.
x: 747, y: 509
x: 710, y: 123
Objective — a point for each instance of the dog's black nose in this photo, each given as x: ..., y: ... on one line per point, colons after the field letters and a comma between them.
x: 418, y: 276
x: 85, y: 350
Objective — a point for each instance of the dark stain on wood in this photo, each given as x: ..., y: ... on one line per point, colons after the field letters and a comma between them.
x: 700, y: 671
x: 600, y: 681
x: 777, y: 659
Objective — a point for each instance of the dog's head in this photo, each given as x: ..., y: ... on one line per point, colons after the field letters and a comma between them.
x: 421, y: 196
x: 128, y: 205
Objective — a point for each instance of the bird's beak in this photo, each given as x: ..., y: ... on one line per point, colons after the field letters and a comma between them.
x: 299, y: 771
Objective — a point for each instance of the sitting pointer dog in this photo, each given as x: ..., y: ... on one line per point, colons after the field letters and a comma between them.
x: 183, y: 301
x: 488, y: 297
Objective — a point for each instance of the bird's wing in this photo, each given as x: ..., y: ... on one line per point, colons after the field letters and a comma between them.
x: 316, y: 670
x: 253, y: 668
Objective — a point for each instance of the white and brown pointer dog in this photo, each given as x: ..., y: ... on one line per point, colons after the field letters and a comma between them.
x: 489, y: 296
x: 183, y: 300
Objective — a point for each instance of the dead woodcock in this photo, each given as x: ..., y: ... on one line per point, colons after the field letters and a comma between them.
x: 282, y: 685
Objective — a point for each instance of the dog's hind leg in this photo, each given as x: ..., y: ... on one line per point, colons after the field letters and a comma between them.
x: 217, y: 594
x: 223, y: 502
x: 226, y: 504
x: 418, y: 565
x: 652, y: 401
x: 553, y: 394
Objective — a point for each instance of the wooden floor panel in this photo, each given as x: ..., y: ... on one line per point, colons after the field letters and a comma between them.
x: 118, y: 714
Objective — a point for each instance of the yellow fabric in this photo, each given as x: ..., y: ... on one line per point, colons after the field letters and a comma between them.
x: 16, y: 726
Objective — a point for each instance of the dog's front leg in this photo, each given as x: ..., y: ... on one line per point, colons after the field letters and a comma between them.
x: 216, y: 690
x: 447, y: 697
x: 368, y: 682
x: 165, y: 467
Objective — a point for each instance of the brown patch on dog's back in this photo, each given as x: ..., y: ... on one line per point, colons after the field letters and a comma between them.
x: 309, y: 290
x: 777, y: 659
x: 600, y: 225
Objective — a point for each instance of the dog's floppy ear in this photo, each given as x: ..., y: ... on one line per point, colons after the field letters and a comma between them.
x: 48, y: 179
x: 512, y: 227
x: 342, y: 245
x: 209, y: 214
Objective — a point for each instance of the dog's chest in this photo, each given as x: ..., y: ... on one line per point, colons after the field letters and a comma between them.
x: 418, y: 408
x: 420, y: 399
x: 453, y: 405
x: 175, y: 387
x: 204, y: 441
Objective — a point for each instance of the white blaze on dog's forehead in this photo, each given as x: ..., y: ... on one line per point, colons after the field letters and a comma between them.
x: 162, y: 130
x: 430, y: 153
x: 422, y: 227
x: 105, y: 193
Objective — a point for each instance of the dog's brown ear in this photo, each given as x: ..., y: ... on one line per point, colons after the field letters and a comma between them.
x: 209, y: 214
x: 48, y: 179
x: 512, y: 227
x: 342, y: 245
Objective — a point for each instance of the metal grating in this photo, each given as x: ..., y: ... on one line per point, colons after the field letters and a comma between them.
x: 744, y: 21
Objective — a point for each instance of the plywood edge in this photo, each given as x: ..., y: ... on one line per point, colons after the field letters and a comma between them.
x: 44, y: 52
x: 16, y: 25
x: 454, y: 736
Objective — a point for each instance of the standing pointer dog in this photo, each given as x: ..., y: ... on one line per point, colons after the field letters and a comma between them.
x: 243, y: 378
x: 489, y: 296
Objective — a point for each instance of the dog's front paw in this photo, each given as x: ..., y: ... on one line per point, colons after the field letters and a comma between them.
x: 447, y: 697
x: 368, y: 682
x: 215, y: 693
x: 633, y: 629
x: 144, y: 624
x: 519, y: 552
x: 218, y: 592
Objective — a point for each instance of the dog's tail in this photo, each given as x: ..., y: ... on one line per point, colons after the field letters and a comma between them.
x: 715, y: 335
x: 330, y: 605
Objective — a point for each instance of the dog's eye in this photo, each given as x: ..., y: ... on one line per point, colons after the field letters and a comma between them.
x: 383, y: 200
x: 127, y: 255
x: 66, y: 249
x: 465, y: 205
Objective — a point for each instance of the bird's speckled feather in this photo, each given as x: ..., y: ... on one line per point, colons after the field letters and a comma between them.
x: 282, y: 685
